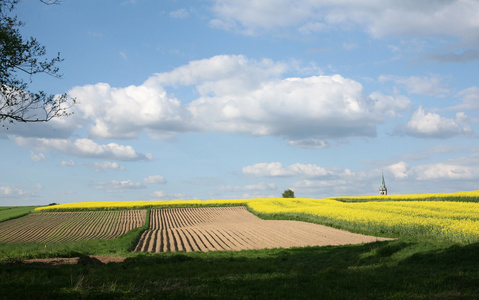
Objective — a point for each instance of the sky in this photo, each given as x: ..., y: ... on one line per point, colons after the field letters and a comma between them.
x: 225, y: 99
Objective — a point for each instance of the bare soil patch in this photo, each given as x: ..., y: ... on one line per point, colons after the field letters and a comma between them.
x: 87, y: 260
x: 234, y: 228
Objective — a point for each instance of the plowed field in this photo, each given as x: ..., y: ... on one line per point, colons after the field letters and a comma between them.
x: 234, y: 228
x: 70, y: 226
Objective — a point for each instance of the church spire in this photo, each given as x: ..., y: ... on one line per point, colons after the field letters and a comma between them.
x: 382, y: 189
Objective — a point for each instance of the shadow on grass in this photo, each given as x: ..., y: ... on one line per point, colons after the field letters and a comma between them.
x: 381, y: 270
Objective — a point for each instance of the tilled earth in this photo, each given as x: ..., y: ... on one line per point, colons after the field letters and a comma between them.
x: 235, y: 228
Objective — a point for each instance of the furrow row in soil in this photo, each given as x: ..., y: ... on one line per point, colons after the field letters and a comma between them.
x: 70, y: 226
x: 234, y: 228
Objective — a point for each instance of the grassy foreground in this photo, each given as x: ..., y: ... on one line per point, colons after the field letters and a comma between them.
x: 400, y: 269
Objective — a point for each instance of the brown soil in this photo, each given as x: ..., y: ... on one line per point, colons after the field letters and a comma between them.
x: 86, y: 260
x: 70, y: 226
x: 234, y: 228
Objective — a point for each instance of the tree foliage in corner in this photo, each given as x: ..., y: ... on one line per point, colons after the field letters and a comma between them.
x: 20, y: 60
x: 288, y: 194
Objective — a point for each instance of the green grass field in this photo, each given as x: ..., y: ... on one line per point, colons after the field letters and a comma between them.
x: 11, y: 212
x: 411, y: 267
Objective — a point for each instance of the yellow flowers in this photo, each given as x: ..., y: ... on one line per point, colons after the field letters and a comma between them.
x: 439, y: 196
x: 458, y: 221
x: 136, y: 204
x: 395, y: 214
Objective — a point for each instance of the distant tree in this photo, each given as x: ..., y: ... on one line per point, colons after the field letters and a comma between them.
x: 52, y: 204
x: 288, y: 194
x: 20, y: 59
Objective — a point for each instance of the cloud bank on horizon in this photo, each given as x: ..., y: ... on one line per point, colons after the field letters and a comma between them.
x: 340, y: 90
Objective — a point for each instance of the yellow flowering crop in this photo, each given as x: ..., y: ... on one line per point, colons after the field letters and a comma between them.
x: 136, y: 204
x: 458, y: 221
x: 396, y: 214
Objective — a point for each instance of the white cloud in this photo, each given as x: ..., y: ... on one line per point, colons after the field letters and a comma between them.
x: 456, y: 18
x: 13, y: 192
x: 37, y: 156
x: 470, y: 99
x: 399, y: 170
x: 432, y: 125
x: 221, y: 74
x: 249, y: 17
x: 425, y: 85
x: 154, y: 179
x: 390, y: 106
x: 238, y: 95
x: 55, y: 128
x: 125, y: 112
x: 103, y: 165
x: 262, y: 186
x: 82, y: 148
x: 168, y: 196
x: 466, y: 167
x: 118, y: 186
x: 276, y: 169
x: 69, y: 163
x: 318, y: 107
x: 444, y: 171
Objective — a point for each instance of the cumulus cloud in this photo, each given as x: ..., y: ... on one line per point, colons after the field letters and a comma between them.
x: 125, y: 112
x: 221, y: 74
x: 432, y: 125
x: 453, y: 169
x: 456, y: 18
x: 399, y: 170
x: 238, y: 95
x: 82, y: 148
x: 317, y: 107
x: 55, y: 128
x: 444, y: 171
x: 276, y: 169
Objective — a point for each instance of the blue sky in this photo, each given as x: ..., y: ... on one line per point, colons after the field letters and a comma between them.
x: 243, y: 99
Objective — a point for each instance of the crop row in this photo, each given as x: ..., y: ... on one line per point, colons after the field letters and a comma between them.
x: 70, y: 226
x: 232, y: 228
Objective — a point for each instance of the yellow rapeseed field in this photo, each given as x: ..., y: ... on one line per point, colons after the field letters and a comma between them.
x: 394, y: 214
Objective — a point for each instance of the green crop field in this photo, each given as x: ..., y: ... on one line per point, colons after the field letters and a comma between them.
x: 7, y: 213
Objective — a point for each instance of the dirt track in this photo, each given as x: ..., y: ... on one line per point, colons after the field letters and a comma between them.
x: 234, y: 228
